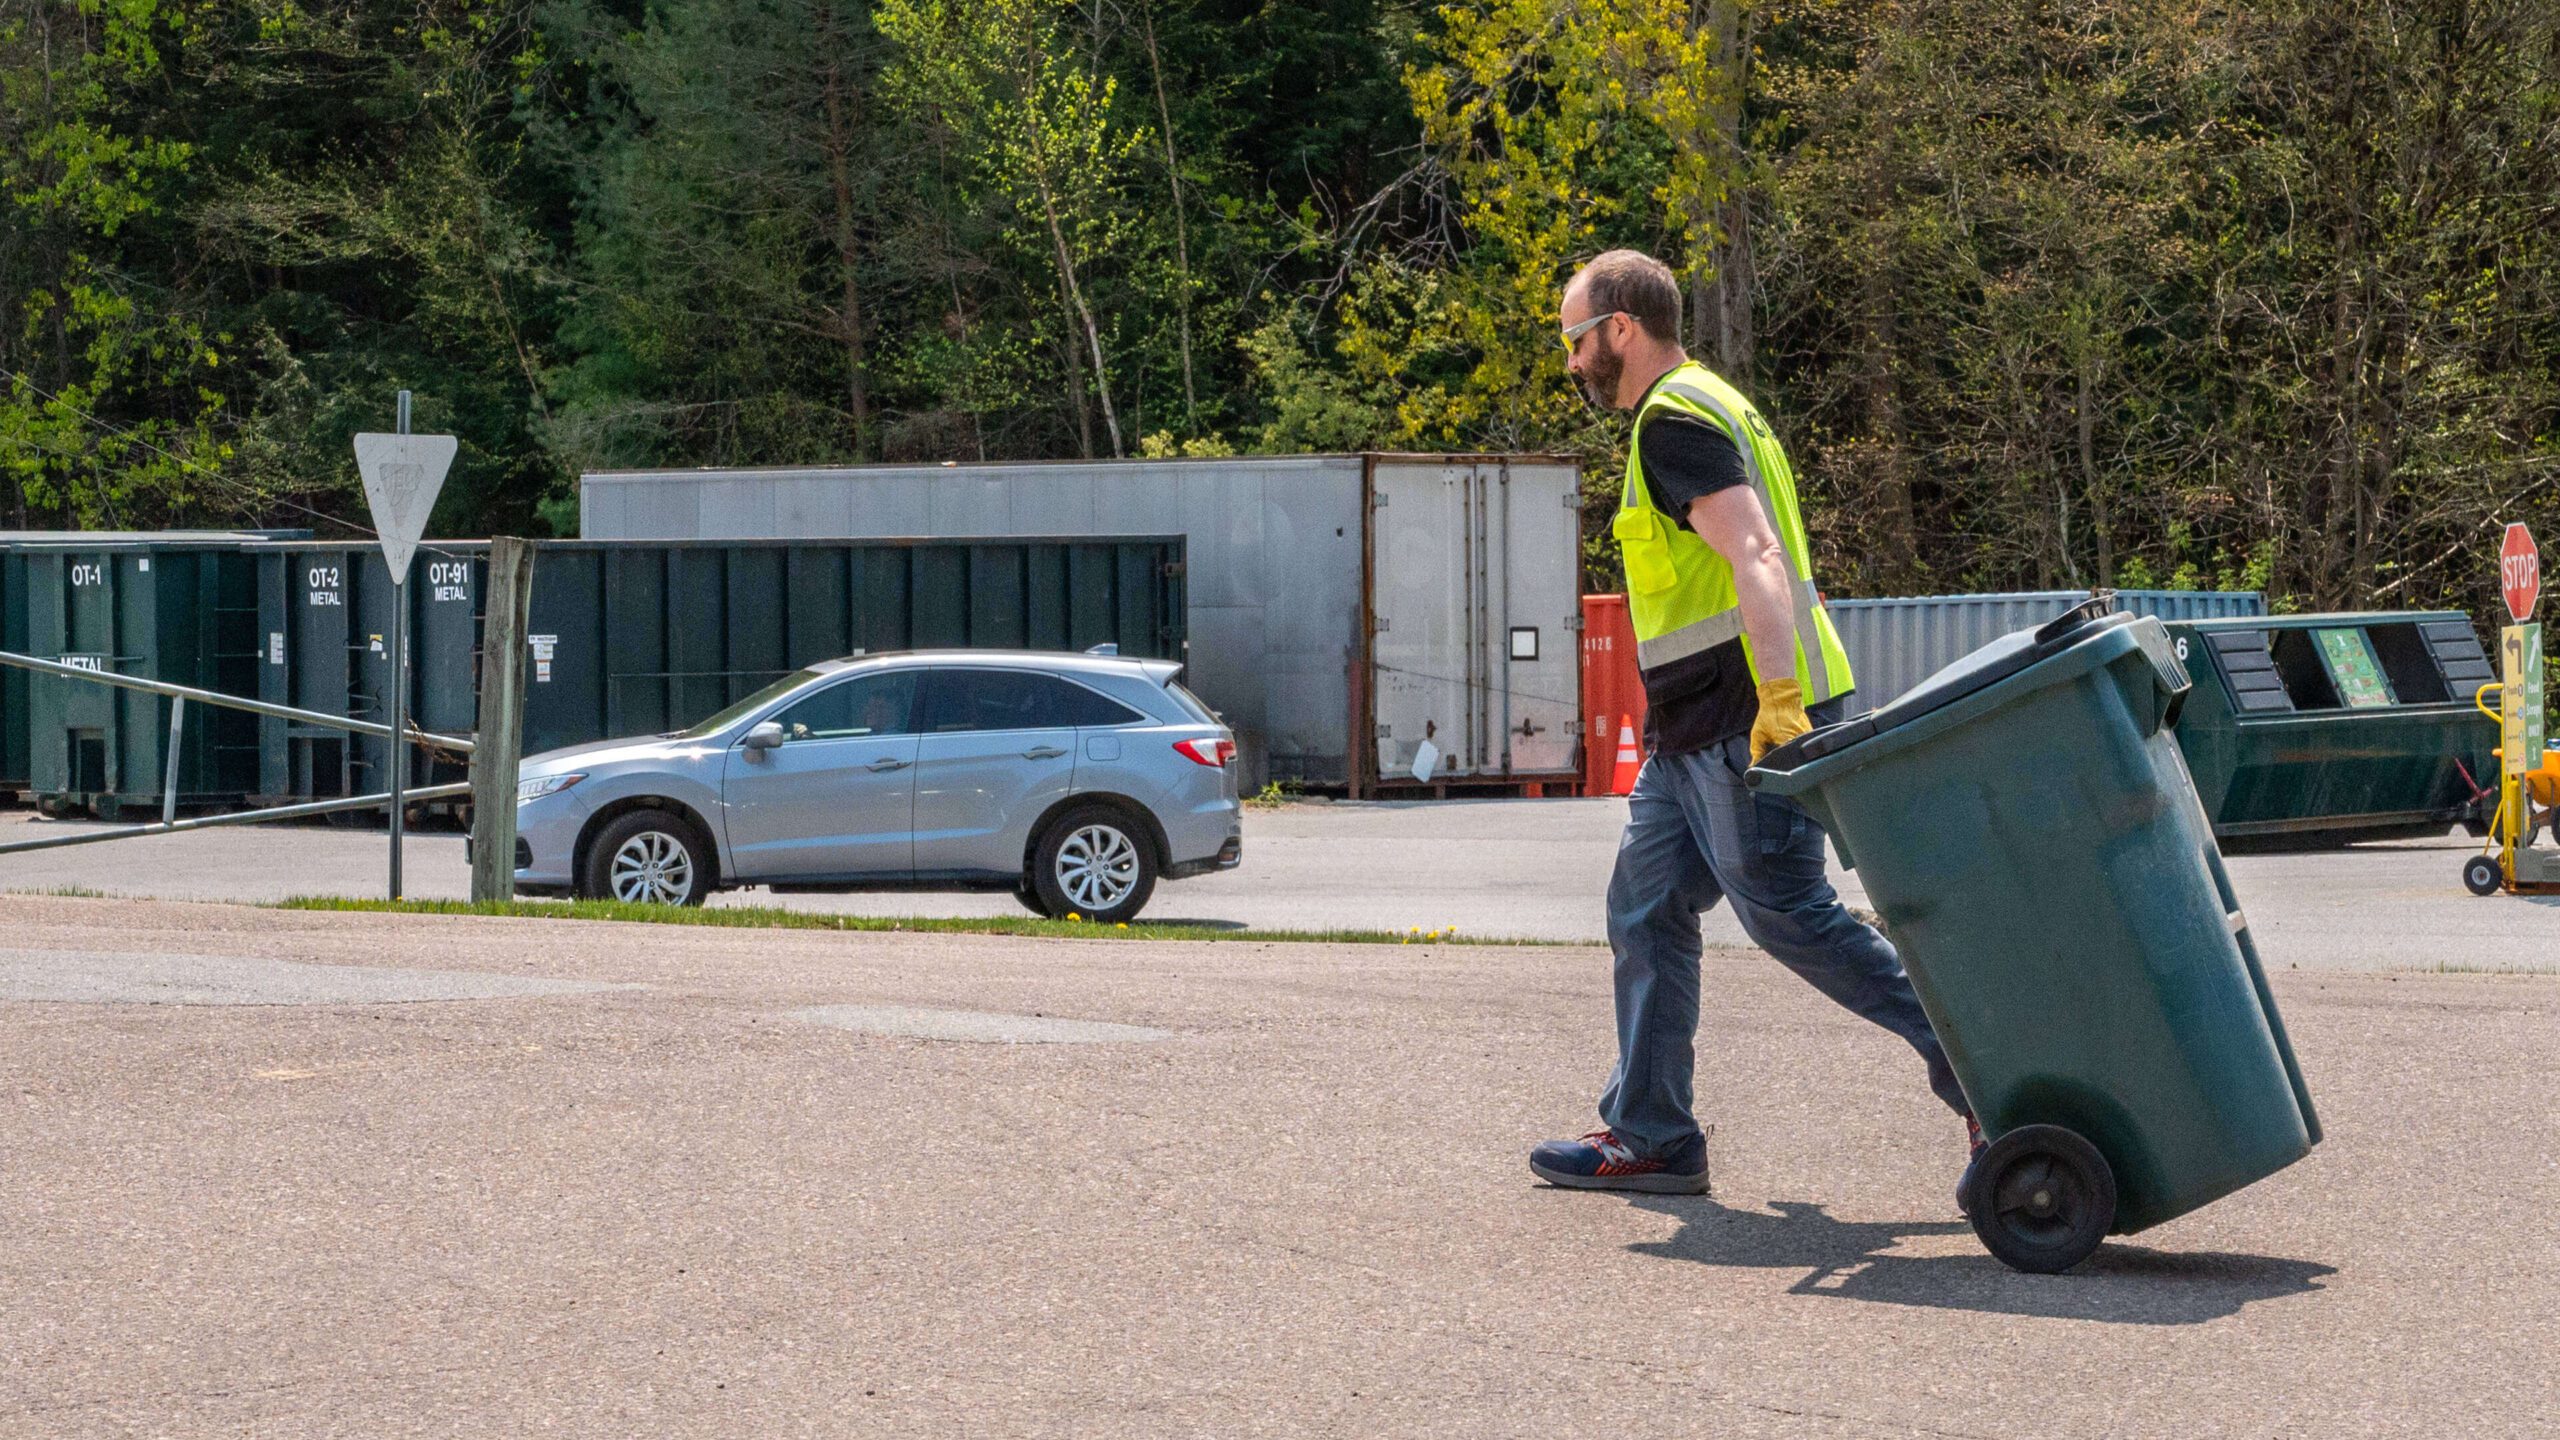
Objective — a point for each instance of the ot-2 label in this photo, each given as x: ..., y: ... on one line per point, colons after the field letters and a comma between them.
x: 321, y: 586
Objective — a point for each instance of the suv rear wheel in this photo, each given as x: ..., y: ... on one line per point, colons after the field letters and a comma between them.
x: 648, y: 857
x: 1095, y: 863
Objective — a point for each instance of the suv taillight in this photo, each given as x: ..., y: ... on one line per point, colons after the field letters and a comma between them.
x: 1213, y: 753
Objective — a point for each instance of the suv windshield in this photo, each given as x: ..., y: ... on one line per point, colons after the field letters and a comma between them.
x: 731, y: 716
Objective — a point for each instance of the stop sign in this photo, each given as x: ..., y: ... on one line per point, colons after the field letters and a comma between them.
x: 2519, y: 572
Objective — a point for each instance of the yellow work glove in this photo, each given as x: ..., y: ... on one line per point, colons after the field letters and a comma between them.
x: 1782, y: 717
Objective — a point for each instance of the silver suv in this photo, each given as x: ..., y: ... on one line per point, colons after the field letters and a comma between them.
x: 1075, y: 781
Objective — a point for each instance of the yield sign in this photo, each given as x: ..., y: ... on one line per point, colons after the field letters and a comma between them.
x: 402, y: 475
x: 2519, y: 572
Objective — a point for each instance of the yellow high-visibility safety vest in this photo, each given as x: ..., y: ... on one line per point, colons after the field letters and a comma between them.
x: 1680, y: 592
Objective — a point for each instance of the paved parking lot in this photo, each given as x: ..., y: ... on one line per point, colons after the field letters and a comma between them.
x: 290, y: 1174
x: 1503, y: 868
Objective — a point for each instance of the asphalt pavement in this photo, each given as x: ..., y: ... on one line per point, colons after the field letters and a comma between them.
x: 1524, y: 869
x: 681, y: 1182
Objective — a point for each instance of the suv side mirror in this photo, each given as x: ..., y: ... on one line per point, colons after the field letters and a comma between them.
x: 766, y: 736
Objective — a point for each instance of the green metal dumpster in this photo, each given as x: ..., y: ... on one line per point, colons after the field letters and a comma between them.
x: 2328, y: 728
x: 636, y: 637
x: 177, y: 612
x: 625, y: 638
x: 14, y: 770
x: 324, y: 615
x: 2025, y: 826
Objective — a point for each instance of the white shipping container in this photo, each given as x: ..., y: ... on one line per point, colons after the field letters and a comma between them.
x: 1346, y: 611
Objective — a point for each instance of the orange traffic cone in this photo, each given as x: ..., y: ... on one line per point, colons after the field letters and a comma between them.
x: 1630, y: 760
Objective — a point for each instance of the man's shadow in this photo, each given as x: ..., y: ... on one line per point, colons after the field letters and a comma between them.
x: 2121, y: 1284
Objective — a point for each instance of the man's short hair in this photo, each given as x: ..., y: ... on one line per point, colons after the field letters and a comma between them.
x: 1634, y: 282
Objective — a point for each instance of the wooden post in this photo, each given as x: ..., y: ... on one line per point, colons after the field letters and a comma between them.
x: 501, y: 737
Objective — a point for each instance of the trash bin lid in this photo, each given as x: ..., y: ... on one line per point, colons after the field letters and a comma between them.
x: 1973, y: 673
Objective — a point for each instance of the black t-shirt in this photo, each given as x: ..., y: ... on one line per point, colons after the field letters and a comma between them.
x: 1706, y: 698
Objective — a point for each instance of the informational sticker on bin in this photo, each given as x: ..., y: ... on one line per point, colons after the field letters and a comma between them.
x: 542, y: 646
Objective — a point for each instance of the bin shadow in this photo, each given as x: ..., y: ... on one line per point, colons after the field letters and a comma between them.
x: 2121, y: 1284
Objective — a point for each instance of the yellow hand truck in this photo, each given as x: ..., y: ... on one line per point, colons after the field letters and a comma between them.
x: 2526, y: 802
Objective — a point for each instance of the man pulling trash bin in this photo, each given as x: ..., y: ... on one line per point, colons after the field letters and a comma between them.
x: 1737, y: 657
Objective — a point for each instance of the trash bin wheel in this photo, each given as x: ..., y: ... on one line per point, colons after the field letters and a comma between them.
x: 2041, y: 1199
x: 2481, y: 876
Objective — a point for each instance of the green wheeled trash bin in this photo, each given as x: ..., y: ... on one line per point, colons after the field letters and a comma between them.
x: 2025, y: 825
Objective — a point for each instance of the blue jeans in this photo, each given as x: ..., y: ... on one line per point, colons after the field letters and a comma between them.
x: 1696, y: 834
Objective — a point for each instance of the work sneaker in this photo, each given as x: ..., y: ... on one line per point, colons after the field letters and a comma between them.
x: 1602, y: 1161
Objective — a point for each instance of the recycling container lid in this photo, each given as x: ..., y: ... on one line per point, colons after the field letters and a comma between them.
x: 1973, y: 673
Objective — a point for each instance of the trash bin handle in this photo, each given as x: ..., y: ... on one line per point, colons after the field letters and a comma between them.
x: 2173, y: 682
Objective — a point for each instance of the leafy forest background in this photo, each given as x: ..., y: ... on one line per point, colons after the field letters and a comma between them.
x: 2039, y: 292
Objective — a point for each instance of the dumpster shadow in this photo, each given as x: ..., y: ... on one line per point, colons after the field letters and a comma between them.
x: 2121, y: 1284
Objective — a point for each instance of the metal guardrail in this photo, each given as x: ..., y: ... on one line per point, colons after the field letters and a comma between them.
x: 179, y: 695
x: 457, y: 743
x: 242, y: 817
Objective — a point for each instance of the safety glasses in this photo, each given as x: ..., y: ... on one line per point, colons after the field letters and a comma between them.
x: 1573, y: 333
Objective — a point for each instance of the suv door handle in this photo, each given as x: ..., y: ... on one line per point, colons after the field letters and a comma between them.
x: 1042, y: 752
x: 885, y: 764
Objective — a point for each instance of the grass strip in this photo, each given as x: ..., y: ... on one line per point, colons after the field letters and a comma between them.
x: 766, y: 917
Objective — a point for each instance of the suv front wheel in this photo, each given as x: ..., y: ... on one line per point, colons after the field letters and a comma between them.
x: 1093, y: 863
x: 647, y: 857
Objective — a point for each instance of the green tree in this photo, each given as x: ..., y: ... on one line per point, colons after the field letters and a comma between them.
x: 109, y: 408
x: 1044, y: 142
x: 739, y: 174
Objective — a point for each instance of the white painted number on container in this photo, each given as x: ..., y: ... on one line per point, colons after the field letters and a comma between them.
x: 449, y: 580
x: 320, y: 583
x: 88, y: 575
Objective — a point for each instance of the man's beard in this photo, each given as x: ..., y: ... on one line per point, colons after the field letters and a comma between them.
x: 1599, y: 382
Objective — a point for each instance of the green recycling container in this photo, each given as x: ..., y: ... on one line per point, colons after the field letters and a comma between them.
x: 179, y: 612
x: 16, y: 772
x: 2321, y: 729
x: 2024, y: 824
